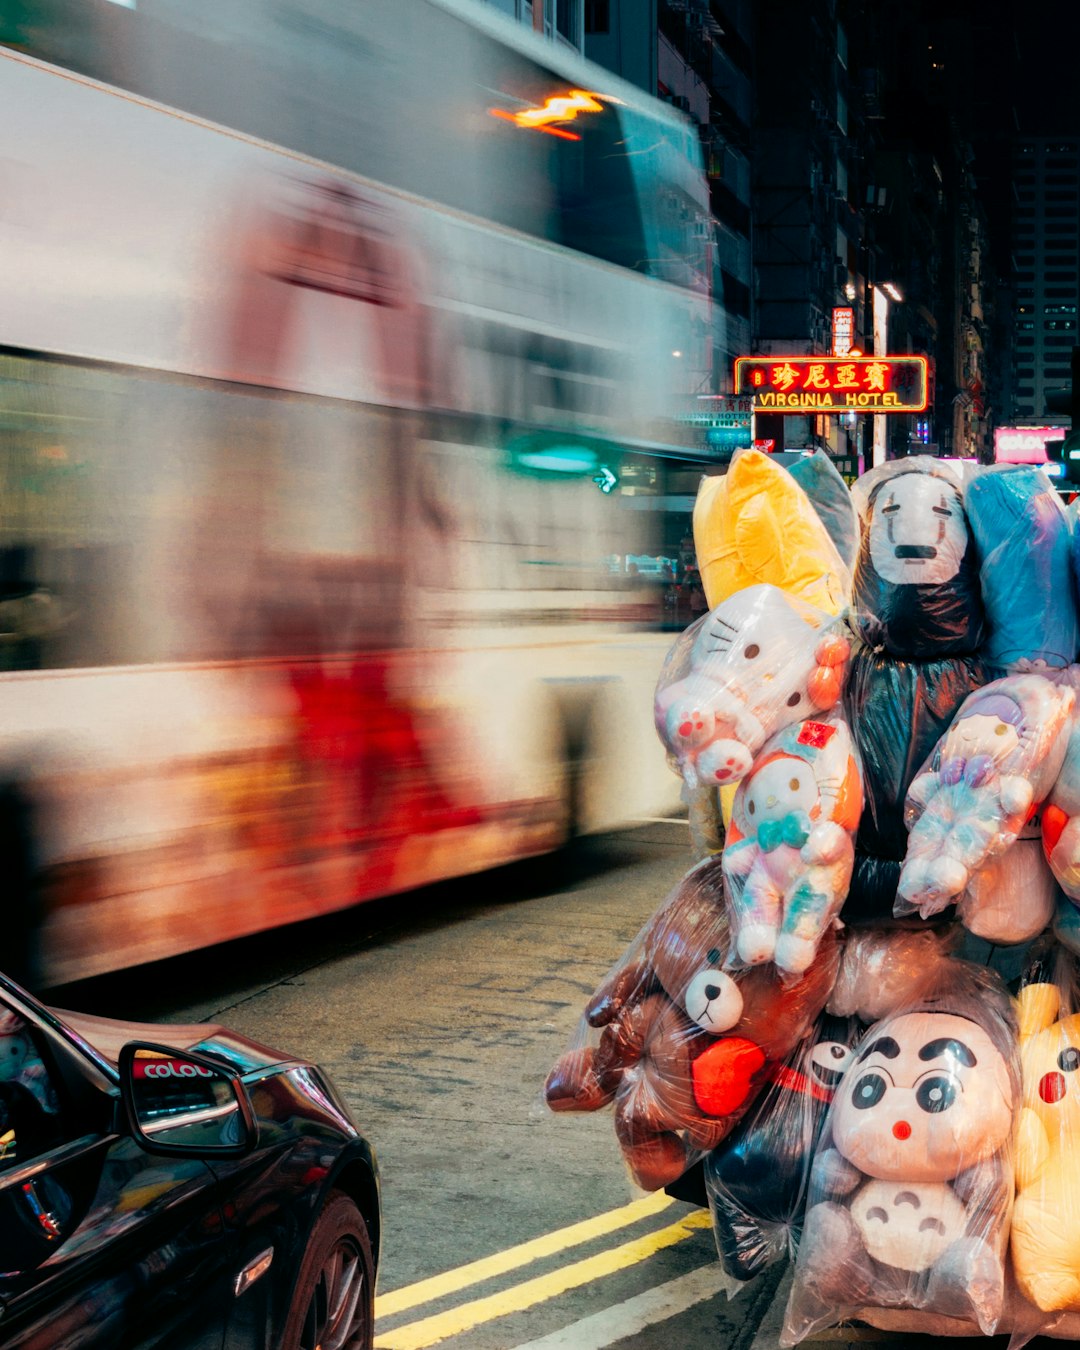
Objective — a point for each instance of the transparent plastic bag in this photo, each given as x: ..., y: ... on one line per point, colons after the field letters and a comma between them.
x: 917, y: 575
x: 676, y: 1044
x: 1025, y: 542
x: 1045, y: 1243
x: 1061, y: 813
x: 985, y: 778
x: 756, y: 663
x: 755, y: 525
x: 911, y: 1188
x: 790, y: 844
x: 756, y: 1179
x: 883, y: 969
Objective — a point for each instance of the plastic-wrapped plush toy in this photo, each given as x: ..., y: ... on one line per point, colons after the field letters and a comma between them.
x: 755, y: 524
x: 1046, y: 1216
x: 994, y: 766
x: 684, y: 1046
x: 920, y: 617
x: 756, y: 663
x: 911, y: 1190
x: 883, y: 969
x: 830, y: 496
x: 787, y: 860
x: 1024, y: 538
x: 1061, y: 829
x: 756, y: 1179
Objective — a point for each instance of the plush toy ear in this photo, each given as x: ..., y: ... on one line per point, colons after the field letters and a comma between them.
x: 849, y: 800
x: 827, y: 678
x: 1037, y: 1005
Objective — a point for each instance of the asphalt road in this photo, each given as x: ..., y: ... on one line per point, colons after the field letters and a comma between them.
x: 438, y: 1015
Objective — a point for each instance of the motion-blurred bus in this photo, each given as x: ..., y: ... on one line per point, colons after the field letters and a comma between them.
x: 341, y: 355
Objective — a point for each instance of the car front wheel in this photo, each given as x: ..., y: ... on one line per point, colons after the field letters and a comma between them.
x: 333, y: 1304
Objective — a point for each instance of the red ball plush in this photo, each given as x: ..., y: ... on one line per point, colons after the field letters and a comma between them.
x: 685, y: 1046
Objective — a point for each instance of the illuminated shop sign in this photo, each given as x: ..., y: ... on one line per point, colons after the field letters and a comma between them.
x: 843, y: 330
x: 1024, y: 445
x: 833, y: 384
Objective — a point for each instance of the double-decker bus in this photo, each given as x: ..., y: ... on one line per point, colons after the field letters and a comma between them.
x: 341, y: 352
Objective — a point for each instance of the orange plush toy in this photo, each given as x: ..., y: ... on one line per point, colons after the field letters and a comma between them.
x: 685, y: 1046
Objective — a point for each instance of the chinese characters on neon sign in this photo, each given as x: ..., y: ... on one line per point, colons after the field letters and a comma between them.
x: 833, y: 384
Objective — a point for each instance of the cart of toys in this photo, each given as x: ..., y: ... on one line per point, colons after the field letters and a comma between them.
x: 856, y: 1019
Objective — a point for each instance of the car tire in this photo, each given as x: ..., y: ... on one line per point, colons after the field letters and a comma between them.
x: 333, y: 1302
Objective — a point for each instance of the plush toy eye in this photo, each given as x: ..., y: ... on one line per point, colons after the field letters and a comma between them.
x: 869, y: 1090
x: 936, y: 1094
x: 794, y: 699
x: 794, y: 784
x: 752, y: 651
x: 1000, y: 729
x: 1069, y: 1060
x: 750, y: 806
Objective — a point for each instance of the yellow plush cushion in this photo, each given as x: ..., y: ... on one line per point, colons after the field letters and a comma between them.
x: 756, y: 525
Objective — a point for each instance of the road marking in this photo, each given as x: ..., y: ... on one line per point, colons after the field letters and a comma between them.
x: 453, y: 1281
x: 627, y: 1319
x: 431, y: 1330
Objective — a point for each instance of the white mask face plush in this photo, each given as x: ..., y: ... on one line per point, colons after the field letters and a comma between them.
x: 918, y: 535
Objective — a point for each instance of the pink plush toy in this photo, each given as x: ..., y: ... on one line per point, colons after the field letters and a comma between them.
x: 756, y: 663
x: 789, y: 852
x: 985, y: 779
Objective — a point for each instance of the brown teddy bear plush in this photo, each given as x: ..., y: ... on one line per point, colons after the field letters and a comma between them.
x: 685, y: 1045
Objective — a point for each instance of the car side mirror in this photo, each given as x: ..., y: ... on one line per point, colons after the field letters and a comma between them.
x: 186, y: 1104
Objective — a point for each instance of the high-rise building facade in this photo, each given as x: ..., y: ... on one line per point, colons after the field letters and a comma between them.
x: 1045, y: 257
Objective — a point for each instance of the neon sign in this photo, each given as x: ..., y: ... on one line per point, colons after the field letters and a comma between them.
x: 834, y: 384
x: 560, y: 108
x: 843, y: 330
x: 1023, y: 445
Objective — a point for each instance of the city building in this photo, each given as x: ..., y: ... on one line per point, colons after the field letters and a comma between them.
x: 1045, y: 251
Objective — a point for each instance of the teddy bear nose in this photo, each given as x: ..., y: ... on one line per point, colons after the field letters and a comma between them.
x: 712, y: 991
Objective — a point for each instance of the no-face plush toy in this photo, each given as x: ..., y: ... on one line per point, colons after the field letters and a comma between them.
x: 684, y: 1045
x: 757, y: 662
x: 919, y: 612
x: 917, y: 573
x: 910, y: 1194
x: 789, y: 850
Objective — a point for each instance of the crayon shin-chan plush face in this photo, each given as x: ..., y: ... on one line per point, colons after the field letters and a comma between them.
x: 928, y: 1096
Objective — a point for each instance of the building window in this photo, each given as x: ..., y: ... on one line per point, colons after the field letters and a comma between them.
x: 566, y: 19
x: 1060, y: 292
x: 1060, y: 276
x: 1065, y: 324
x: 598, y: 16
x: 1059, y: 341
x: 1025, y: 323
x: 1059, y: 309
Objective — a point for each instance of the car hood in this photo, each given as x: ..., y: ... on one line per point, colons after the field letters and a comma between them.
x: 108, y: 1035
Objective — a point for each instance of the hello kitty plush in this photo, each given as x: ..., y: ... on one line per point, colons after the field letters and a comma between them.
x: 759, y: 661
x: 788, y: 857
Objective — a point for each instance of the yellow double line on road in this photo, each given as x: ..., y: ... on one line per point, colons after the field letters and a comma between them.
x: 440, y: 1326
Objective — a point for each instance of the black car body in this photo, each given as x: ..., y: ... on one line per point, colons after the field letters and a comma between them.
x: 175, y: 1186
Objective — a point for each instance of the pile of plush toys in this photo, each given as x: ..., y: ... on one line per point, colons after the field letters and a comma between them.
x: 854, y: 1026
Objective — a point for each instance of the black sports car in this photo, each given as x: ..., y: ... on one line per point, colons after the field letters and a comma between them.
x: 176, y: 1186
